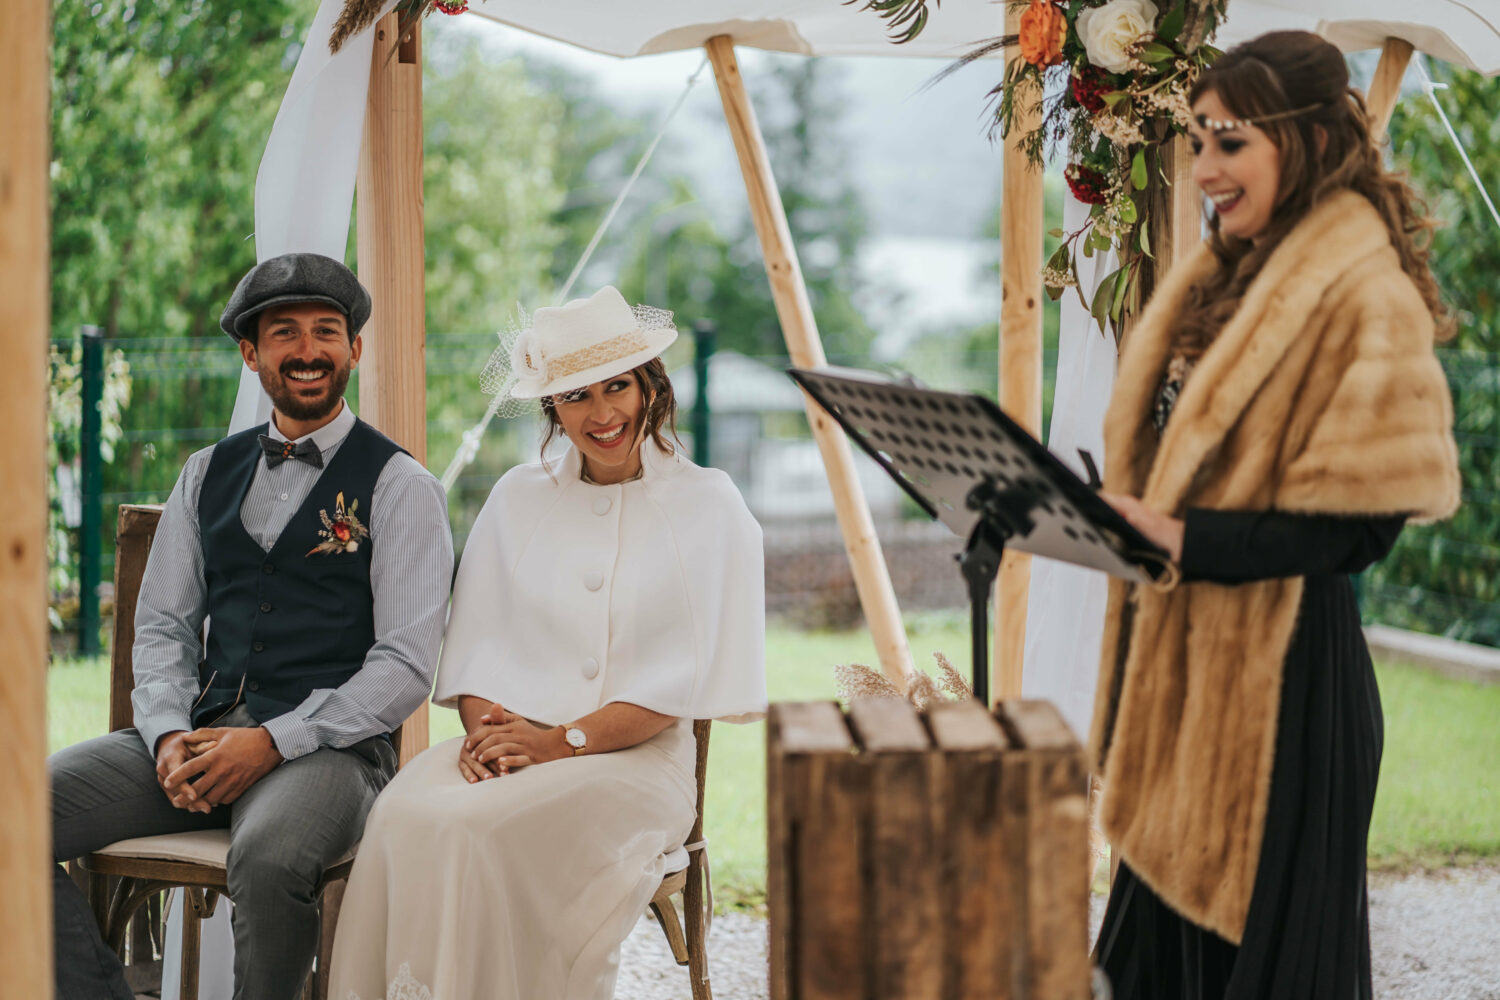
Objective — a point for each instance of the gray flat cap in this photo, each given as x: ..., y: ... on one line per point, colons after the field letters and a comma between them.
x: 295, y: 277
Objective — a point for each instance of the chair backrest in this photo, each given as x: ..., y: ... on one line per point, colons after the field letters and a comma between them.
x: 134, y: 535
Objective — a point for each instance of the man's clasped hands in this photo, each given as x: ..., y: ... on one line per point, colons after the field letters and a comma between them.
x: 209, y: 767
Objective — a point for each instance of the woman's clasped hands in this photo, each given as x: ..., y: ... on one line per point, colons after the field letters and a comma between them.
x: 503, y: 741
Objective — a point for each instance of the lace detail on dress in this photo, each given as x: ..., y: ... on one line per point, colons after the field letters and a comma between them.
x: 403, y: 987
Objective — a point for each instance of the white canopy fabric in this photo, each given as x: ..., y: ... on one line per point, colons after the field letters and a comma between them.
x: 1466, y: 34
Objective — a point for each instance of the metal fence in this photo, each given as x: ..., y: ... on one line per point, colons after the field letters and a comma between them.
x: 1440, y: 579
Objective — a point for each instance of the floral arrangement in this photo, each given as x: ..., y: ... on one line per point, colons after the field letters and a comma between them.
x: 1111, y: 78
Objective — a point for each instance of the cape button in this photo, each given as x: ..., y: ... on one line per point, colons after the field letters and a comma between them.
x: 602, y: 505
x: 593, y: 580
x: 590, y: 668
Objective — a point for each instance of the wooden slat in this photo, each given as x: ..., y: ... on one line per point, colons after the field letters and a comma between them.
x: 815, y: 785
x: 393, y: 371
x: 872, y: 580
x: 1385, y: 85
x: 904, y: 918
x: 25, y: 852
x: 1046, y: 818
x: 1020, y: 355
x: 978, y: 914
x: 135, y: 531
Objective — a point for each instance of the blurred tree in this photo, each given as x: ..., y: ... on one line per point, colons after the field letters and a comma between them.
x: 160, y: 112
x: 1443, y: 578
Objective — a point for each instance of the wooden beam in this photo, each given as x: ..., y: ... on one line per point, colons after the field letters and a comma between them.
x: 794, y: 309
x: 393, y: 370
x: 1385, y: 85
x: 1021, y: 211
x: 25, y: 840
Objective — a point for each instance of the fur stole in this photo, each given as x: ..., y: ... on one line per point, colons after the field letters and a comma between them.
x: 1320, y: 395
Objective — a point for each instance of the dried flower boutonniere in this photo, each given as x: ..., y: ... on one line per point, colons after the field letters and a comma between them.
x: 342, y: 532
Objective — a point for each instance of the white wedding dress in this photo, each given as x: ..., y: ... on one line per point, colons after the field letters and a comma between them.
x: 513, y: 888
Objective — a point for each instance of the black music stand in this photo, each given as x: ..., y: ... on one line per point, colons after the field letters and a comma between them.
x: 970, y: 466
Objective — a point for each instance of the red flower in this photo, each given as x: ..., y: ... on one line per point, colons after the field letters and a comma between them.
x: 341, y: 530
x: 451, y: 6
x: 1089, y: 86
x: 1088, y: 185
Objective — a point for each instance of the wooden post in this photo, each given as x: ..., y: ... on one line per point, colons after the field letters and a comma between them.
x: 393, y: 370
x: 794, y: 310
x: 1020, y: 356
x: 25, y: 838
x: 1385, y: 85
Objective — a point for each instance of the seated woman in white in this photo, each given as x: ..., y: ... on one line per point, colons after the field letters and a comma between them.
x: 601, y: 605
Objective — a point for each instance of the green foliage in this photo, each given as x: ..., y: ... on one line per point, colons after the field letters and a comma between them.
x: 1443, y: 578
x: 160, y: 112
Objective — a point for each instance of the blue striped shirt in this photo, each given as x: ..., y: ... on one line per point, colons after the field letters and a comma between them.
x: 411, y: 570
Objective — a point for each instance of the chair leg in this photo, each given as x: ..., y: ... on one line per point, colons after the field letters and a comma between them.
x: 671, y: 926
x: 329, y: 905
x: 695, y: 915
x: 192, y: 937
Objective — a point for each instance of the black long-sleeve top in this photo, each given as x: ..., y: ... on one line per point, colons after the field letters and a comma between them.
x: 1225, y: 546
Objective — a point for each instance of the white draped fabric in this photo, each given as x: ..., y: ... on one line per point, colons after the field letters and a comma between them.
x: 1065, y: 612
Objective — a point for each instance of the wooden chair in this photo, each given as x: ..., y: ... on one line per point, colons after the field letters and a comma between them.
x: 128, y: 874
x: 690, y: 948
x: 125, y: 876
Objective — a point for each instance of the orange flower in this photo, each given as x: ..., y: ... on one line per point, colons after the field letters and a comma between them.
x: 1044, y: 28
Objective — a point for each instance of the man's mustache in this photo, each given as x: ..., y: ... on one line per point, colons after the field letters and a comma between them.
x: 297, y: 364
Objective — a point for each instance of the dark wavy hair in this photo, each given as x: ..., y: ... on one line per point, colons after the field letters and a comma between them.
x: 1326, y: 149
x: 661, y: 412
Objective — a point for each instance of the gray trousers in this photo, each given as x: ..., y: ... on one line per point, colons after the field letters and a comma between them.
x: 284, y: 832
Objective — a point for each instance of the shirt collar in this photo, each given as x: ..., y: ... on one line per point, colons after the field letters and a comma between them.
x: 327, y: 437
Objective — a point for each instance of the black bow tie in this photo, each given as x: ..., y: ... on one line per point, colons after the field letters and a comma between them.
x: 279, y: 451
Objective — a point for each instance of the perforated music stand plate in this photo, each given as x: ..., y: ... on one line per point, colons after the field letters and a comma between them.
x: 939, y: 445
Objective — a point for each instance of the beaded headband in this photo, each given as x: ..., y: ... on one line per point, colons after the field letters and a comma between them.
x: 1215, y: 125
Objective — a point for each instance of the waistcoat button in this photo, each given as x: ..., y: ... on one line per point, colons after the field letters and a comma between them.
x: 259, y: 647
x: 593, y: 580
x: 265, y: 606
x: 602, y: 505
x: 254, y: 685
x: 268, y: 569
x: 590, y: 668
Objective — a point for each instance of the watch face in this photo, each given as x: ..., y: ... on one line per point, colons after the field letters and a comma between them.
x: 576, y: 739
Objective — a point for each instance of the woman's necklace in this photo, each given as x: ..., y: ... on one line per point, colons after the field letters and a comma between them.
x: 1167, y: 394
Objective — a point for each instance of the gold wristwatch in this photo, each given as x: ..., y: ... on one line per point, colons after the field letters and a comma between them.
x: 576, y: 738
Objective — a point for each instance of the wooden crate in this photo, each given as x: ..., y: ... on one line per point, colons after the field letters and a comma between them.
x: 926, y: 857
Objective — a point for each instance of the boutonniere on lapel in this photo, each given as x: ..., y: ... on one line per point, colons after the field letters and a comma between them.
x: 342, y: 531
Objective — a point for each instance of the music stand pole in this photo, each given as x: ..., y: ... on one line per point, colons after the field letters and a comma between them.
x: 1002, y: 514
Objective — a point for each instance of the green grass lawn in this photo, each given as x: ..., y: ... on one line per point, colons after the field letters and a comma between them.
x: 1439, y: 798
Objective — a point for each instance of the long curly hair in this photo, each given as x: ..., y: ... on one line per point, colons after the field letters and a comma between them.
x: 1323, y: 150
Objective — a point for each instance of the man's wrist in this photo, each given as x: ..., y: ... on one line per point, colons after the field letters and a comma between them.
x: 163, y: 738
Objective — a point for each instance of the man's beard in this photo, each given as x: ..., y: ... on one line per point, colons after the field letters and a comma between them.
x: 282, y: 389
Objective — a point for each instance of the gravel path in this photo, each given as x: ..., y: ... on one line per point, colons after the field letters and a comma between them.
x: 1433, y: 937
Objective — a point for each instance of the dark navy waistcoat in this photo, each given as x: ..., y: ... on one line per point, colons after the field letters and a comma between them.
x: 286, y: 622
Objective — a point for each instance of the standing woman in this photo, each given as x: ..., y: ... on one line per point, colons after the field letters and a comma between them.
x: 1278, y: 415
x: 601, y: 606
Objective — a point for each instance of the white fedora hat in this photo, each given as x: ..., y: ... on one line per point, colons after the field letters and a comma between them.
x: 585, y: 341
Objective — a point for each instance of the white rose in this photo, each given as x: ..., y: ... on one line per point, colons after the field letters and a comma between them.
x: 1108, y: 32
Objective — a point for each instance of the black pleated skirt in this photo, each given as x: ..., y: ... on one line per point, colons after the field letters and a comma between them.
x: 1307, y: 935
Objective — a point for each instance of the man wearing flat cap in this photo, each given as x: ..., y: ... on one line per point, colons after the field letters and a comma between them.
x: 319, y: 554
